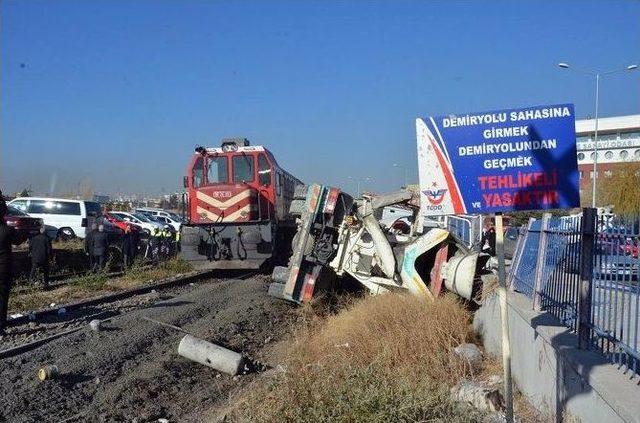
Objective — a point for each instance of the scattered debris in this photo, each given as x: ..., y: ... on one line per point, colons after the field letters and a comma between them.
x: 478, y: 395
x: 210, y: 355
x: 179, y: 329
x: 95, y: 325
x: 48, y: 372
x: 149, y: 392
x: 62, y: 311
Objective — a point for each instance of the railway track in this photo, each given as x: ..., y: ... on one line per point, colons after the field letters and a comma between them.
x: 131, y: 370
x: 28, y: 332
x: 60, y: 280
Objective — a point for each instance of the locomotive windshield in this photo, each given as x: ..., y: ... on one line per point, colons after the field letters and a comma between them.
x: 264, y: 171
x: 243, y: 168
x: 198, y: 173
x: 217, y: 170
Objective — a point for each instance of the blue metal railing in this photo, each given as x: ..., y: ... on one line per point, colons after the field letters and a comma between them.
x: 467, y: 228
x: 547, y: 267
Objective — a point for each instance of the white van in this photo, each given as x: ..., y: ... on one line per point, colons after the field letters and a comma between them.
x: 63, y: 218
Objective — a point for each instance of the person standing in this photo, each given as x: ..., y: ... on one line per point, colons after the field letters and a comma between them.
x: 88, y: 240
x: 135, y: 244
x: 153, y: 246
x: 7, y: 237
x: 40, y: 251
x: 127, y: 247
x: 166, y: 239
x: 177, y: 242
x: 488, y: 241
x: 99, y: 246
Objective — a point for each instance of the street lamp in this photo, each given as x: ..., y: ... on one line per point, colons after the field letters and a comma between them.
x: 597, y: 74
x: 358, y: 180
x: 405, y: 173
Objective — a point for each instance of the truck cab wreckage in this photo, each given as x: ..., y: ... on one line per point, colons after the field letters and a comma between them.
x: 338, y: 234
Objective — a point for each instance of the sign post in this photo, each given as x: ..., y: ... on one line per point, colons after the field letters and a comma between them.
x: 504, y: 320
x: 495, y: 162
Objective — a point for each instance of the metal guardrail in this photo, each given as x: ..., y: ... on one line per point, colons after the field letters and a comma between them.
x: 596, y: 296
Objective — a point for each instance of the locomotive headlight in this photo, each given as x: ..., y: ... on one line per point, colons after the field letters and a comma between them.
x: 229, y: 147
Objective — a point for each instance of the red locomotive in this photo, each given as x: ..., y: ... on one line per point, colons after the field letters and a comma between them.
x: 237, y: 206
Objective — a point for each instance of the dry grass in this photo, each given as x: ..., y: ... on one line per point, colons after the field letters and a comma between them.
x: 71, y: 244
x: 94, y: 285
x: 383, y: 359
x: 522, y: 409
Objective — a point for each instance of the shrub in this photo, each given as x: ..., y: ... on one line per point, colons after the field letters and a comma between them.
x: 383, y: 359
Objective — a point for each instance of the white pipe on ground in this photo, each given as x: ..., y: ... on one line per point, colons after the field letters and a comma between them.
x: 210, y: 355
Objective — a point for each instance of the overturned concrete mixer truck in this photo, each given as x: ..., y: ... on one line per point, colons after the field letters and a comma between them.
x: 340, y: 235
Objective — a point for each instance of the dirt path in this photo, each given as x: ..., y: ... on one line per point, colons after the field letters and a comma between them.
x: 132, y: 372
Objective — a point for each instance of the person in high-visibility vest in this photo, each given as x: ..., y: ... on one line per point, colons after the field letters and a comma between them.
x: 177, y: 240
x: 165, y: 241
x: 153, y: 245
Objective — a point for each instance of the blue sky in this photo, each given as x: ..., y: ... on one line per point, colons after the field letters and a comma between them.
x: 116, y: 94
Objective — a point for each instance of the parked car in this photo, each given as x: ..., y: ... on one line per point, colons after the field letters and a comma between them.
x: 159, y: 212
x: 24, y: 225
x: 620, y: 238
x: 630, y: 248
x: 116, y: 220
x: 160, y: 220
x: 64, y: 219
x: 617, y: 268
x: 175, y: 224
x: 139, y: 220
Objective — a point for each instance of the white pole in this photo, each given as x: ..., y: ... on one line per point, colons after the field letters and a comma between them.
x: 504, y: 316
x: 595, y: 148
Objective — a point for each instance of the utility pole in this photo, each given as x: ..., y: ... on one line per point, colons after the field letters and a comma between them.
x: 597, y: 74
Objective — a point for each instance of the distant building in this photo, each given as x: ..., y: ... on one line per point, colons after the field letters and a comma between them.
x: 618, y: 143
x: 102, y: 199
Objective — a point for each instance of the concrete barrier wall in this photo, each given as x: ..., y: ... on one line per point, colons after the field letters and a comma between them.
x: 548, y: 368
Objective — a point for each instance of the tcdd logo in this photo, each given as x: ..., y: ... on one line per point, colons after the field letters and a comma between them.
x: 435, y: 196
